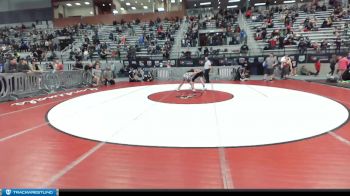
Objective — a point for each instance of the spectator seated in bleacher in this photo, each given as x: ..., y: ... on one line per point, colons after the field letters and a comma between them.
x: 187, y: 54
x: 327, y: 23
x: 248, y: 13
x: 272, y: 44
x: 325, y: 45
x: 103, y: 54
x: 244, y: 48
x: 338, y: 41
x: 316, y: 46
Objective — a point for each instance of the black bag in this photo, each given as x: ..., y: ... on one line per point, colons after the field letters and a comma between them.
x: 332, y: 79
x: 236, y: 74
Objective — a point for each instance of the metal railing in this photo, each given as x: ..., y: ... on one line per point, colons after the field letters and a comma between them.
x: 216, y: 73
x: 18, y: 85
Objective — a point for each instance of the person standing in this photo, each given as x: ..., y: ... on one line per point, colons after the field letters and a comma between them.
x: 332, y: 64
x: 207, y: 68
x: 286, y: 64
x: 342, y: 65
x: 317, y: 66
x: 269, y: 66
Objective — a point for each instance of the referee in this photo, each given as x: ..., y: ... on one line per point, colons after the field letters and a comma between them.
x: 207, y: 67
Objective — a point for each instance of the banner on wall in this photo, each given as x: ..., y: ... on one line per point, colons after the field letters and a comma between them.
x: 302, y: 58
x: 261, y: 59
x: 312, y: 58
x: 186, y: 63
x: 224, y: 61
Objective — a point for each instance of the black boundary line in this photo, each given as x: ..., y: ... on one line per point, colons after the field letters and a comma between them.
x: 252, y: 146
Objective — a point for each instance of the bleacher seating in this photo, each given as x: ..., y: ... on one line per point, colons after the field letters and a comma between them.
x: 314, y: 36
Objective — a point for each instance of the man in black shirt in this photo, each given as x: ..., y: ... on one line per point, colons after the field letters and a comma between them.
x: 78, y: 65
x: 346, y: 75
x: 244, y: 48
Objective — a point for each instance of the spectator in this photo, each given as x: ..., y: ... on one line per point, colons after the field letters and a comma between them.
x: 57, y: 65
x: 338, y: 42
x: 207, y: 68
x: 244, y: 48
x: 97, y: 74
x: 23, y: 66
x: 269, y: 65
x: 346, y: 75
x: 332, y: 64
x: 305, y: 71
x: 302, y: 46
x: 342, y: 65
x: 317, y: 66
x: 325, y: 45
x: 108, y: 76
x: 286, y: 65
x: 35, y: 66
x: 78, y: 66
x: 11, y: 66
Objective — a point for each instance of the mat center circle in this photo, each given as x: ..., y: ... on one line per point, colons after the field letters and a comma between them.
x: 190, y: 97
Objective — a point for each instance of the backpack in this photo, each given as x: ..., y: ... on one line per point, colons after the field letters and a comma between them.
x: 332, y: 79
x: 236, y: 74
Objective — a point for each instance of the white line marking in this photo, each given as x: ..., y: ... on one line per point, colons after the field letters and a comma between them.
x: 70, y: 166
x: 225, y: 170
x: 340, y: 138
x: 261, y: 93
x: 21, y: 110
x: 61, y: 100
x: 22, y: 132
x: 38, y: 126
x: 224, y: 166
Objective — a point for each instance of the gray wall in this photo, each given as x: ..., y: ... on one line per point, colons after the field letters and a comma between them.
x: 17, y: 11
x: 11, y: 5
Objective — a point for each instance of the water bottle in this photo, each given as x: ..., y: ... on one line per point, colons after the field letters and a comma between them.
x: 1, y: 68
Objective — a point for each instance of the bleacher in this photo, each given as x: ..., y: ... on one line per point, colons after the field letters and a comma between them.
x: 210, y: 26
x: 314, y: 36
x: 131, y: 40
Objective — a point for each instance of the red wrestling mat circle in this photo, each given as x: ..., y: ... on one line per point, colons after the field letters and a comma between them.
x: 190, y: 97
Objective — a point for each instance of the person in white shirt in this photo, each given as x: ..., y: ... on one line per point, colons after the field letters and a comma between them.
x: 286, y: 64
x: 207, y: 67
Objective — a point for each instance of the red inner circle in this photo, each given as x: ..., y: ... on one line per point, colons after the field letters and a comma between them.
x: 190, y: 97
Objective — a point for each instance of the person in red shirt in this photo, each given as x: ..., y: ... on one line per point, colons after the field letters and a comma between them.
x: 248, y: 14
x: 342, y: 65
x: 317, y: 66
x: 273, y: 43
x: 58, y: 66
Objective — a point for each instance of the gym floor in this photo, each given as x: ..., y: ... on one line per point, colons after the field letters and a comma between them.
x: 234, y: 135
